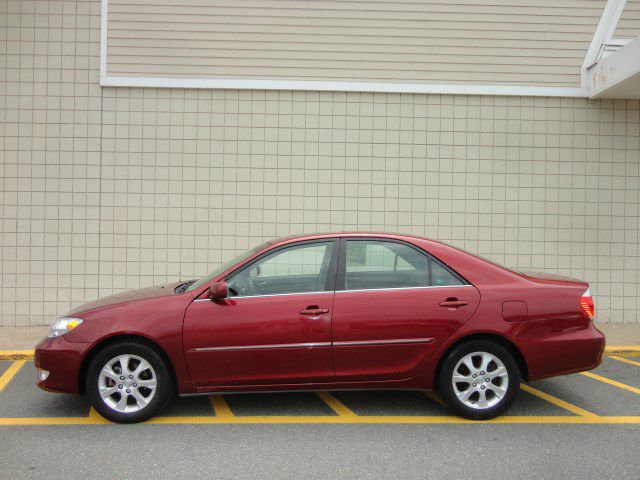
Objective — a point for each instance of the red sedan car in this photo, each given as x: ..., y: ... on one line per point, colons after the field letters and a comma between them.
x: 331, y: 311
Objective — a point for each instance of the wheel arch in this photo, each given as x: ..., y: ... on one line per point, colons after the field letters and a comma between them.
x: 120, y: 338
x: 491, y: 337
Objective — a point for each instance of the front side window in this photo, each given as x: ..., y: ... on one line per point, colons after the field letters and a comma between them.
x: 295, y: 269
x: 372, y: 264
x: 225, y: 266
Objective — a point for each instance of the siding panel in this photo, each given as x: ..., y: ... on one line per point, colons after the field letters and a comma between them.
x: 629, y: 23
x: 502, y: 42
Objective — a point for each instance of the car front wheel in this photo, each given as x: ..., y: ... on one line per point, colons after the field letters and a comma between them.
x: 128, y: 383
x: 479, y: 380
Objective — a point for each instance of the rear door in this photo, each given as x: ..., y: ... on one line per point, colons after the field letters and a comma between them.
x: 394, y: 305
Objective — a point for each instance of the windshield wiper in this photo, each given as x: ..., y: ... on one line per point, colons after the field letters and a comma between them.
x: 183, y: 286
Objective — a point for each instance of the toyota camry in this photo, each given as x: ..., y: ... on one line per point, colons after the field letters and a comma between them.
x: 327, y: 312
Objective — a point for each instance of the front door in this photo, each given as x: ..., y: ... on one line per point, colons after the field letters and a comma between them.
x: 275, y: 326
x: 395, y: 306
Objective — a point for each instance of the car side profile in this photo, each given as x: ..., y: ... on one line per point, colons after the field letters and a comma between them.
x: 327, y: 312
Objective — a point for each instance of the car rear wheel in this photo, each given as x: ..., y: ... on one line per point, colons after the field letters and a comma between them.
x: 128, y: 382
x: 479, y: 380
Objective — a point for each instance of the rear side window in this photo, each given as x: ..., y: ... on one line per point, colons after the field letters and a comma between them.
x: 372, y: 264
x: 441, y: 277
x: 376, y: 264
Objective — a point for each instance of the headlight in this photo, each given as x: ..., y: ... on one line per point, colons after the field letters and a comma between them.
x: 62, y: 326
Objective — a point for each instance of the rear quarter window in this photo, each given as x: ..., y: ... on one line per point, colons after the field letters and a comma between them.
x: 441, y: 277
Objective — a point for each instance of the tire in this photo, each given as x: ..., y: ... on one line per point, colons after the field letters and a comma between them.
x: 134, y: 395
x: 497, y: 371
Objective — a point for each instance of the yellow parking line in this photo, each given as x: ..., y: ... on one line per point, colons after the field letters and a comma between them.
x: 336, y: 405
x: 612, y: 382
x: 95, y: 418
x: 355, y: 419
x: 46, y: 421
x: 556, y: 401
x: 10, y: 373
x: 625, y: 360
x: 220, y: 406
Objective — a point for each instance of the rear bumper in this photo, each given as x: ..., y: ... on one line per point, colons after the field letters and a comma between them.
x: 561, y: 353
x: 62, y: 360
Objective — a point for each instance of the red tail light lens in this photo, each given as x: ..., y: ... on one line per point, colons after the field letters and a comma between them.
x: 586, y: 302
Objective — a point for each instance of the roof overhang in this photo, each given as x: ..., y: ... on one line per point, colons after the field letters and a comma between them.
x: 617, y: 75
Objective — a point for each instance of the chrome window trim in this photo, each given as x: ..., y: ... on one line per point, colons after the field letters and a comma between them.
x: 339, y: 291
x: 383, y: 342
x: 268, y: 295
x: 403, y: 288
x: 262, y: 347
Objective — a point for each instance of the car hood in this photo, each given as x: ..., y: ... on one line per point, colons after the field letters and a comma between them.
x: 128, y: 296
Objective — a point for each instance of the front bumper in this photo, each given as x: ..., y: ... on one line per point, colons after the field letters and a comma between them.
x: 63, y: 360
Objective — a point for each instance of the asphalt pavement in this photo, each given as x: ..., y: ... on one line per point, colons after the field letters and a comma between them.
x: 576, y: 426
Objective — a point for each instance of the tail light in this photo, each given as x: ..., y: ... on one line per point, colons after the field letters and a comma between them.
x: 586, y: 302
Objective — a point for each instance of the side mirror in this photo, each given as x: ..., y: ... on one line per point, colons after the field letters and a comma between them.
x: 218, y: 290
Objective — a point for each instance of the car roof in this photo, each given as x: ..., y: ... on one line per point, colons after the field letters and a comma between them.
x: 314, y: 236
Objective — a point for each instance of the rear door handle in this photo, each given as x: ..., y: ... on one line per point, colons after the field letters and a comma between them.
x: 314, y: 311
x: 453, y: 303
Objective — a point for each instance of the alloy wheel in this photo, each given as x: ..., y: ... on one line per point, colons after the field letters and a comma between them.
x: 127, y: 383
x: 480, y: 380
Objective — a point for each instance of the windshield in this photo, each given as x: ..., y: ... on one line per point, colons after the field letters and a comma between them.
x: 226, y: 266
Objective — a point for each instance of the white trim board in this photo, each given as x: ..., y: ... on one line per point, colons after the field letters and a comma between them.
x: 604, y: 31
x: 246, y: 84
x: 104, y: 13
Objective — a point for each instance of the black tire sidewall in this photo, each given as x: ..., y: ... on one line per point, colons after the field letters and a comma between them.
x: 445, y: 387
x: 163, y: 390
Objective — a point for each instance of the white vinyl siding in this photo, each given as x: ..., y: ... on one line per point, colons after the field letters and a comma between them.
x: 505, y: 42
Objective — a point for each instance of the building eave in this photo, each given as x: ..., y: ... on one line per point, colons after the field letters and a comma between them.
x: 618, y: 74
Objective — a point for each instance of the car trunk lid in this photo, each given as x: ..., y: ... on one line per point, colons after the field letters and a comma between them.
x: 541, y: 277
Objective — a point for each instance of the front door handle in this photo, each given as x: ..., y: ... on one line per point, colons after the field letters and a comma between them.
x: 453, y: 303
x: 314, y: 311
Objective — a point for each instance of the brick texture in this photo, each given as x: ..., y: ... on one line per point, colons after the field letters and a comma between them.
x: 108, y: 189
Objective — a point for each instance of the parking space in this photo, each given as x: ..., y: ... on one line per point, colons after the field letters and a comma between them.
x: 575, y: 426
x: 4, y: 364
x: 609, y: 394
x: 621, y: 369
x: 21, y: 398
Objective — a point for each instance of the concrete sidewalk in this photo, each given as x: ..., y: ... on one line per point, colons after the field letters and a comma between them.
x: 21, y: 338
x: 25, y: 338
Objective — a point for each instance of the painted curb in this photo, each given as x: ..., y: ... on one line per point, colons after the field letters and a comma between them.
x: 633, y: 350
x: 630, y: 350
x: 16, y: 354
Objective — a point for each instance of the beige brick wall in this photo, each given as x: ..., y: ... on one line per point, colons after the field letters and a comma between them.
x: 104, y: 190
